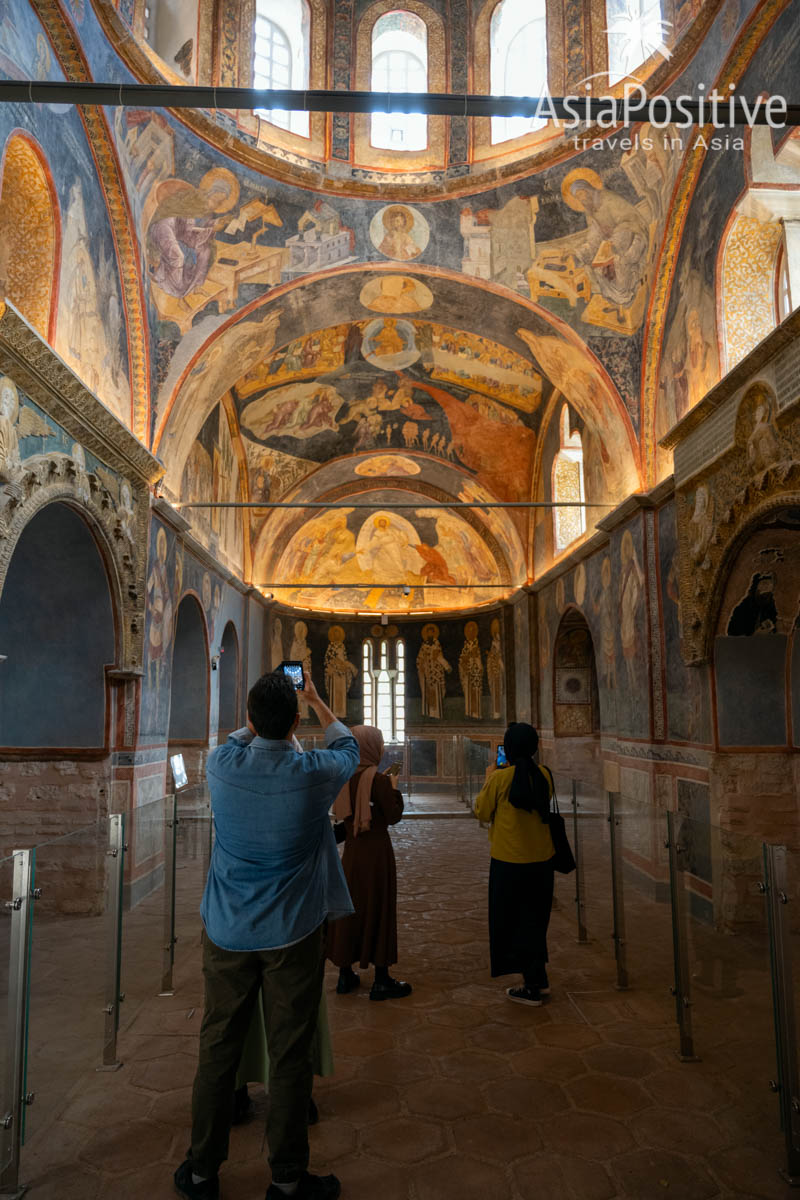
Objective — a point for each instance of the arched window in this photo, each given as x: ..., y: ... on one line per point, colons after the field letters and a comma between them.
x: 567, y: 483
x: 399, y: 64
x: 635, y: 30
x: 400, y: 691
x: 366, y: 683
x: 280, y: 56
x: 518, y: 43
x: 783, y: 292
x: 384, y: 688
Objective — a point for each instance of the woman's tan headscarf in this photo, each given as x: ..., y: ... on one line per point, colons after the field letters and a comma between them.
x: 370, y: 743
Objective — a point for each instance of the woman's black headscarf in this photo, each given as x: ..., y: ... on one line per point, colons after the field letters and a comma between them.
x: 530, y: 790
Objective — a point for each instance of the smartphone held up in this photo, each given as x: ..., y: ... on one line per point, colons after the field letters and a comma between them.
x: 294, y: 669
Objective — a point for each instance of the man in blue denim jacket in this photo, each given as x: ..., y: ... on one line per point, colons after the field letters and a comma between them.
x: 275, y: 879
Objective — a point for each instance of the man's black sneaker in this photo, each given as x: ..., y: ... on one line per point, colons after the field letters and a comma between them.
x: 525, y: 995
x: 207, y: 1189
x: 310, y: 1187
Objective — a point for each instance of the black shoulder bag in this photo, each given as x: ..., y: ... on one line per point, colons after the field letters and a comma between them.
x: 563, y: 859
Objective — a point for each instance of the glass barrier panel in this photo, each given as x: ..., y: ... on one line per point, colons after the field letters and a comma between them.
x: 598, y: 1001
x: 145, y: 894
x: 6, y: 1019
x: 643, y: 859
x: 67, y: 971
x: 193, y: 854
x: 721, y: 875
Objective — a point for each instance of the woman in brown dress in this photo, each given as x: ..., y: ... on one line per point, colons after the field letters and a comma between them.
x: 367, y: 806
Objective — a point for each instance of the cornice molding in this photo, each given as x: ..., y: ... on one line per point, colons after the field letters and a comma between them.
x: 37, y: 369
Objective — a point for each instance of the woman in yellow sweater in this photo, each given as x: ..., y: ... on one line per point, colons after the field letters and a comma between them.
x: 515, y: 802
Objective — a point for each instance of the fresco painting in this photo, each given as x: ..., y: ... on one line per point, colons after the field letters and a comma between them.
x: 368, y: 559
x: 626, y: 601
x: 396, y: 294
x: 399, y: 232
x: 688, y: 699
x: 212, y: 474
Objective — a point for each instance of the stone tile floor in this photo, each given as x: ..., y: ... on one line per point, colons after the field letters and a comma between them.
x: 454, y: 1092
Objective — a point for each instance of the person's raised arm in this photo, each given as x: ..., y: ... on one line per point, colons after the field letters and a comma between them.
x: 310, y: 696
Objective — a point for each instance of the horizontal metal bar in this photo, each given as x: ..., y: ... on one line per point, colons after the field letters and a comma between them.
x: 589, y: 108
x: 367, y: 587
x: 375, y: 505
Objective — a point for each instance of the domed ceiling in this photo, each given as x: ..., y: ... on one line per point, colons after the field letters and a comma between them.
x: 370, y: 365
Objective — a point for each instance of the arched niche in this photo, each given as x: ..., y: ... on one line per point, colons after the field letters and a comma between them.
x: 30, y: 234
x: 188, y: 713
x: 229, y: 680
x: 57, y: 629
x: 576, y: 703
x: 755, y: 655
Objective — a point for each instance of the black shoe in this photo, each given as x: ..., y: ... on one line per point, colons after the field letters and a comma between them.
x: 243, y: 1107
x: 313, y: 1112
x: 348, y: 982
x: 525, y: 995
x: 208, y: 1189
x: 310, y: 1187
x: 390, y: 989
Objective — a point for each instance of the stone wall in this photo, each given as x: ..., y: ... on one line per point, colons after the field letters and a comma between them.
x: 59, y: 806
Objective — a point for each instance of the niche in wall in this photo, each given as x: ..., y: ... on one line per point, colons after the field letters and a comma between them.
x: 575, y: 696
x: 57, y: 630
x: 755, y: 635
x: 188, y: 713
x: 229, y: 680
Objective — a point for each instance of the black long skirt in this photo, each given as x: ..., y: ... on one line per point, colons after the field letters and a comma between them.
x: 520, y: 900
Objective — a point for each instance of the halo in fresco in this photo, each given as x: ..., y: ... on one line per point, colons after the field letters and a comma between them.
x: 399, y: 232
x: 388, y: 464
x: 390, y: 344
x: 396, y: 294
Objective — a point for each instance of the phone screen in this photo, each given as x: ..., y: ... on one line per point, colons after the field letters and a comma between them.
x: 295, y: 672
x: 502, y: 761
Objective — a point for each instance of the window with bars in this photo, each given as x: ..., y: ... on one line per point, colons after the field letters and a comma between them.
x: 384, y: 688
x: 399, y: 64
x: 518, y: 55
x: 280, y: 57
x: 567, y: 484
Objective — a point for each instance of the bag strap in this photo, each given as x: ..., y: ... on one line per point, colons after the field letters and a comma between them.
x: 553, y: 786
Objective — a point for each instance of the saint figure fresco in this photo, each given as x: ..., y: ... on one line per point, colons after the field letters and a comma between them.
x: 276, y: 650
x: 470, y: 671
x: 300, y: 651
x: 431, y: 668
x: 631, y: 593
x: 602, y: 602
x: 495, y: 670
x: 159, y: 608
x: 339, y: 671
x: 399, y: 232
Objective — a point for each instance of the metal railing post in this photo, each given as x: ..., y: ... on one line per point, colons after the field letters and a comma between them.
x: 786, y: 1084
x: 617, y: 891
x: 680, y: 950
x: 580, y: 901
x: 16, y: 1097
x: 114, y: 997
x: 170, y: 864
